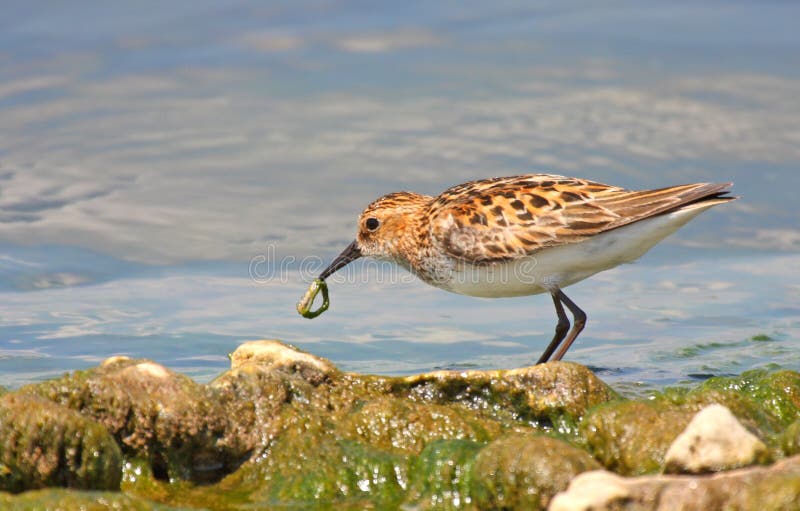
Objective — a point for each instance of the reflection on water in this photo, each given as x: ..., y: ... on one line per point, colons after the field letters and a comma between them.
x: 149, y: 153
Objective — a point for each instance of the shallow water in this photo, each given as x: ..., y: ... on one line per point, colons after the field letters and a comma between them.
x: 169, y: 175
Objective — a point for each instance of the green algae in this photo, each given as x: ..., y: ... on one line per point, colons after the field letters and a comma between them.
x: 44, y: 444
x: 343, y: 473
x: 401, y: 425
x: 356, y: 440
x: 543, y: 396
x: 286, y: 430
x: 524, y: 471
x: 441, y: 477
x: 762, y: 338
x: 632, y: 437
x: 56, y: 499
x: 180, y: 426
x: 789, y: 439
x: 776, y: 393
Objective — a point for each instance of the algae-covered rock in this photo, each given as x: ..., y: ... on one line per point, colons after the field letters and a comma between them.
x: 763, y: 401
x: 69, y: 500
x: 544, y: 393
x: 253, y: 396
x: 180, y: 426
x: 398, y: 424
x: 44, y: 444
x: 441, y: 477
x: 307, y: 465
x: 775, y: 393
x: 773, y: 488
x: 713, y: 441
x: 284, y: 429
x: 789, y: 440
x: 525, y: 471
x: 632, y: 437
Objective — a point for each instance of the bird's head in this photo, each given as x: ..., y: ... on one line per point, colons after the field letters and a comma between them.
x: 383, y: 228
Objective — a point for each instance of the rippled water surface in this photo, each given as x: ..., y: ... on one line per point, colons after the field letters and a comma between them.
x: 170, y: 173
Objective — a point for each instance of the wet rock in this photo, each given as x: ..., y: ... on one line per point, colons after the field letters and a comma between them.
x: 396, y: 424
x: 276, y: 355
x: 351, y: 442
x: 309, y: 462
x: 594, y: 491
x: 284, y: 428
x: 58, y: 499
x: 789, y: 440
x: 713, y: 441
x: 524, y: 471
x: 253, y: 397
x: 441, y: 477
x: 632, y: 437
x: 181, y: 427
x: 550, y: 394
x: 774, y: 488
x: 44, y: 444
x: 760, y: 400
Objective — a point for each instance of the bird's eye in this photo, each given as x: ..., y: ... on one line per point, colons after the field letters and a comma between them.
x: 372, y: 223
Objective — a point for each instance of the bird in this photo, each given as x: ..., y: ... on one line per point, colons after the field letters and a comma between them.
x: 524, y: 235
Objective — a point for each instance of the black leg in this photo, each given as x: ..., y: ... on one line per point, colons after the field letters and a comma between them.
x: 561, y: 331
x: 579, y: 321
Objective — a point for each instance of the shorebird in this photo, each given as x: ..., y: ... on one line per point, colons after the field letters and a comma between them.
x: 521, y: 235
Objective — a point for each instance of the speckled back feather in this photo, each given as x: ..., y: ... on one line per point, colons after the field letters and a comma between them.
x: 505, y: 218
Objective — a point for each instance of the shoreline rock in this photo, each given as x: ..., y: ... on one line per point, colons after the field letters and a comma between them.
x: 773, y: 488
x: 712, y: 442
x: 284, y: 428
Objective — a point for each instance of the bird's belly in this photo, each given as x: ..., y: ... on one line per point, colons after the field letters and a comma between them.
x: 558, y: 267
x: 515, y: 278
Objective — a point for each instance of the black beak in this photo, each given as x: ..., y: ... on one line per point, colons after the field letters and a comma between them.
x: 351, y: 253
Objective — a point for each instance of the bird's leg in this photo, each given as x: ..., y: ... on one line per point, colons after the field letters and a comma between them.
x: 561, y: 330
x: 579, y: 321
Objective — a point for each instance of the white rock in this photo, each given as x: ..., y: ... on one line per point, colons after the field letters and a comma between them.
x: 113, y: 360
x: 713, y: 441
x: 590, y: 491
x: 274, y: 354
x: 763, y: 488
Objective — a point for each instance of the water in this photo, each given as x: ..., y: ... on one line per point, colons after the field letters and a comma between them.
x: 169, y: 173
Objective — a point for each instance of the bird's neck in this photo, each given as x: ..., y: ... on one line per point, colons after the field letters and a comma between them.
x: 411, y: 235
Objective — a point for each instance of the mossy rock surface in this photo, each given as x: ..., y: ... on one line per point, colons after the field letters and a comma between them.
x: 182, y: 427
x: 755, y: 488
x: 541, y: 395
x: 441, y: 477
x: 401, y: 425
x: 284, y: 429
x: 762, y: 401
x: 44, y: 444
x: 70, y: 500
x: 790, y: 439
x: 632, y: 437
x: 524, y: 471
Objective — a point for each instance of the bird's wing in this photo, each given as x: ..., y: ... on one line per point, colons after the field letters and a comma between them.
x: 500, y: 219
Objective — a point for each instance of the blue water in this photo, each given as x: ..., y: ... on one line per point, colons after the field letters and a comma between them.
x: 170, y: 174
